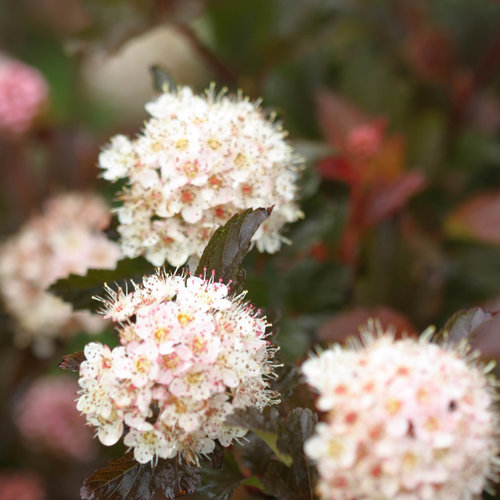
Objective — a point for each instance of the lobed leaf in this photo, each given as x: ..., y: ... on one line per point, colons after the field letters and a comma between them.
x: 126, y: 479
x: 253, y: 419
x: 279, y: 481
x: 229, y: 245
x: 292, y: 477
x: 219, y: 484
x: 80, y: 290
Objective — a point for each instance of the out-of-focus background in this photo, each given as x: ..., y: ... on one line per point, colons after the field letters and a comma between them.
x: 394, y: 104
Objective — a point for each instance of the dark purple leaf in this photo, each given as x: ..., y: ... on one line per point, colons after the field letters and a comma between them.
x: 299, y: 426
x: 465, y: 325
x: 295, y: 481
x: 126, y: 479
x: 80, y: 290
x: 219, y: 484
x: 72, y: 362
x: 288, y: 378
x: 251, y: 418
x: 229, y: 245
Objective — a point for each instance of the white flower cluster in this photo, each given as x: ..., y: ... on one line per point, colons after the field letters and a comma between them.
x: 407, y: 419
x: 189, y: 356
x: 198, y: 161
x: 65, y: 239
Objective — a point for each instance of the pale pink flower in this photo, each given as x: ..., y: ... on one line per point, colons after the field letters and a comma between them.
x: 198, y: 161
x: 406, y: 419
x: 191, y: 353
x: 23, y: 90
x: 66, y: 238
x: 21, y: 485
x: 48, y: 420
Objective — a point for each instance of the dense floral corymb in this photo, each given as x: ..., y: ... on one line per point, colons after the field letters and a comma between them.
x: 48, y: 420
x: 189, y: 355
x: 200, y: 160
x: 405, y: 419
x: 65, y: 239
x: 23, y: 91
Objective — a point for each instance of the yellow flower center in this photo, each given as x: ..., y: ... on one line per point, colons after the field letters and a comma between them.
x: 143, y: 364
x: 181, y: 144
x: 184, y: 318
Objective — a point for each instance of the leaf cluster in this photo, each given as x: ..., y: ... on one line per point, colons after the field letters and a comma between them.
x: 282, y: 466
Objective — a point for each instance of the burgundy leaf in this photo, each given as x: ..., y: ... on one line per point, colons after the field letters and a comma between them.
x: 229, y: 245
x: 343, y: 325
x: 126, y: 479
x: 338, y: 169
x: 385, y: 200
x: 477, y: 218
x: 337, y: 118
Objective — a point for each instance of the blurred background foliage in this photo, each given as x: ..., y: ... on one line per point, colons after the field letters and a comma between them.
x: 394, y: 104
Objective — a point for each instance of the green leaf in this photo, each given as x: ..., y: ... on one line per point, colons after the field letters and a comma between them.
x: 162, y: 79
x: 80, y: 290
x: 220, y: 484
x: 72, y: 362
x: 126, y: 479
x: 464, y: 325
x: 229, y: 245
x: 271, y: 440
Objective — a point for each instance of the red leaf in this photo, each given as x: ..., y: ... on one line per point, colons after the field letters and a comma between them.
x: 477, y: 218
x: 342, y: 325
x: 337, y: 117
x: 387, y: 199
x: 338, y: 169
x: 388, y: 163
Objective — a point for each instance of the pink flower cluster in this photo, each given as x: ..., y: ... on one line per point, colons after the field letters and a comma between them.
x: 47, y: 419
x: 65, y: 239
x: 190, y: 354
x: 17, y: 485
x: 200, y: 160
x: 406, y: 419
x: 23, y: 90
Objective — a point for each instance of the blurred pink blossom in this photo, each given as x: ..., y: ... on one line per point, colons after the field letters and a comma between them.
x: 23, y: 91
x: 21, y: 486
x: 47, y: 418
x: 65, y: 239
